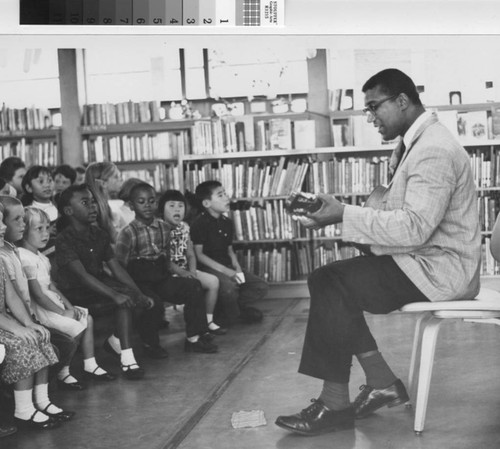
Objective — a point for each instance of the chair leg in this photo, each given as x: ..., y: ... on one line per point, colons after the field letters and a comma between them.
x: 415, y: 353
x: 429, y: 338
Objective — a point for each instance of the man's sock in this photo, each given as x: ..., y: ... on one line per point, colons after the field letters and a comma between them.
x: 378, y: 373
x: 335, y: 395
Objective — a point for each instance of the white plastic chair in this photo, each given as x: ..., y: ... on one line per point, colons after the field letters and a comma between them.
x: 485, y: 308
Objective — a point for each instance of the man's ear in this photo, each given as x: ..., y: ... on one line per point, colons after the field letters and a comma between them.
x: 403, y: 101
x: 28, y: 188
x: 68, y: 210
x: 205, y: 203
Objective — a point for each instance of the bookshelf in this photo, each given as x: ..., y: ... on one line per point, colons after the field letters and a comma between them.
x: 33, y: 146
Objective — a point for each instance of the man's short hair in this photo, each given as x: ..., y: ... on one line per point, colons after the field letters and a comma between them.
x: 205, y: 190
x: 394, y: 82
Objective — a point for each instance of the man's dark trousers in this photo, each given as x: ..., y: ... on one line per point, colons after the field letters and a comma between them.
x: 336, y: 328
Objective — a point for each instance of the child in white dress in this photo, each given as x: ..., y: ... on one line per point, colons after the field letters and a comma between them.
x: 51, y: 307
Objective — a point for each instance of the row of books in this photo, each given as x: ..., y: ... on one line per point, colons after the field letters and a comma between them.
x: 162, y: 177
x: 295, y: 261
x: 264, y: 220
x: 288, y: 262
x: 488, y: 208
x: 236, y: 134
x: 285, y: 134
x: 250, y: 179
x: 223, y: 135
x: 37, y: 152
x: 140, y: 147
x: 272, y: 265
x: 485, y: 164
x: 489, y: 266
x: 351, y: 175
x: 24, y: 119
x: 122, y: 113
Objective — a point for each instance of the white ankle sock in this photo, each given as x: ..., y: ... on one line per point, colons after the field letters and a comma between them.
x: 25, y: 407
x: 42, y: 399
x: 114, y: 342
x: 65, y: 376
x: 210, y: 320
x: 193, y: 339
x: 127, y: 357
x: 90, y: 366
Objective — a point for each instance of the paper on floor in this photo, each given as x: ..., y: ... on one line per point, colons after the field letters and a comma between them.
x: 248, y: 418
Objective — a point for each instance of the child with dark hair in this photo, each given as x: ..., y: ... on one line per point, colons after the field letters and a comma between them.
x: 212, y: 235
x: 172, y: 207
x: 80, y: 175
x: 13, y: 169
x: 64, y: 176
x: 82, y: 248
x: 38, y: 187
x: 143, y: 248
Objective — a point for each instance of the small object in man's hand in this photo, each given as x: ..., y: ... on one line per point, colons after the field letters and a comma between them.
x: 300, y: 203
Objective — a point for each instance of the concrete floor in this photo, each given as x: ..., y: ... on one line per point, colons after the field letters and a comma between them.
x: 186, y: 402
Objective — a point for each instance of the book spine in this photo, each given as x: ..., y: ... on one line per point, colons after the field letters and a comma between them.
x: 91, y: 12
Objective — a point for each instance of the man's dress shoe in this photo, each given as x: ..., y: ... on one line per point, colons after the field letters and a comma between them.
x: 317, y: 419
x: 371, y: 399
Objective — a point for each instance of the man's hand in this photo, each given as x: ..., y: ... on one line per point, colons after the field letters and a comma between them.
x: 331, y: 212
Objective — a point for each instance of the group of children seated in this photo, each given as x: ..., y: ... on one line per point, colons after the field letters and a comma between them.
x: 68, y: 246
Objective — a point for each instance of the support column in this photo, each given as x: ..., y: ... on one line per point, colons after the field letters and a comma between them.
x: 317, y: 97
x: 73, y: 93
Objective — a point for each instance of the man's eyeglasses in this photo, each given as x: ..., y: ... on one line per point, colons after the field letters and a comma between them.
x: 371, y: 109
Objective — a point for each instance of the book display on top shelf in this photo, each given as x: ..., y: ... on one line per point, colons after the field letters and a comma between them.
x: 122, y: 113
x: 12, y: 120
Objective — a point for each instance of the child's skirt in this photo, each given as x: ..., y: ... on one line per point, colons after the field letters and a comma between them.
x: 63, y: 324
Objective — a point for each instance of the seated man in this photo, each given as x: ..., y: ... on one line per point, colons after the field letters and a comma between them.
x: 424, y: 243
